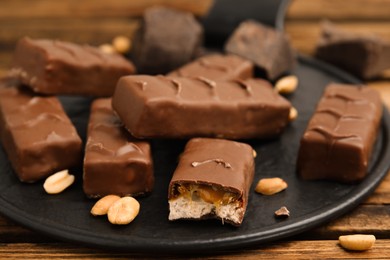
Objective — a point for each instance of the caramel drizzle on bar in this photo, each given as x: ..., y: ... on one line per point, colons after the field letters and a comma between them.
x: 208, y: 65
x: 217, y: 161
x: 244, y: 85
x: 176, y: 84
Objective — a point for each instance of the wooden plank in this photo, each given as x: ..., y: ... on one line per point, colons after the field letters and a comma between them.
x: 320, y: 249
x: 339, y: 10
x: 93, y: 8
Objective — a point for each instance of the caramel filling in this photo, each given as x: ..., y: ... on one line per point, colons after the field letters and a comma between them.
x: 212, y: 195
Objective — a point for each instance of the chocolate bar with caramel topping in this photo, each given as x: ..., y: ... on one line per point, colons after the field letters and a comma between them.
x: 212, y: 180
x: 338, y: 142
x: 114, y: 162
x: 63, y: 68
x: 178, y: 107
x: 36, y: 134
x: 216, y: 67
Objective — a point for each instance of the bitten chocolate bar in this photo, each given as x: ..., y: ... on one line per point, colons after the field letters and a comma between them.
x: 268, y: 48
x: 114, y: 162
x: 62, y: 68
x: 168, y: 107
x: 36, y: 134
x: 216, y: 67
x: 212, y: 180
x: 339, y: 138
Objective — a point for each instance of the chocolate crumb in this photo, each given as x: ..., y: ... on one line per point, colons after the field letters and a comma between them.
x: 283, y: 212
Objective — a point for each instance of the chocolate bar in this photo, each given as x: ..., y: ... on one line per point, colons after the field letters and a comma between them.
x: 216, y: 67
x: 338, y: 142
x: 166, y: 39
x: 36, y: 134
x: 177, y: 107
x: 63, y: 68
x: 364, y: 55
x: 114, y: 162
x: 212, y: 180
x: 268, y: 48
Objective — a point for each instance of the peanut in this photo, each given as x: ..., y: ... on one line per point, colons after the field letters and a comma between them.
x: 287, y: 85
x: 270, y: 186
x: 123, y: 211
x: 357, y: 242
x: 58, y: 182
x: 254, y: 153
x: 121, y: 44
x: 107, y: 48
x: 101, y: 206
x: 293, y: 114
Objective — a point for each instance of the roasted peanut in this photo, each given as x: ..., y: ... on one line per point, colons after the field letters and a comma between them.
x: 293, y: 114
x: 121, y: 44
x: 123, y: 211
x: 357, y: 242
x: 101, y: 206
x: 287, y: 85
x: 58, y: 182
x: 270, y: 186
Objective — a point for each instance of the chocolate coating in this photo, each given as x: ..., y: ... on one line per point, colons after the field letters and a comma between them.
x: 114, y: 162
x: 165, y: 107
x: 220, y: 164
x: 216, y: 67
x: 364, y: 55
x: 268, y: 48
x: 37, y: 135
x: 339, y: 138
x: 63, y: 68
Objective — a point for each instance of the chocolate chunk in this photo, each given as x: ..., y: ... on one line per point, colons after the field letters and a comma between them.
x: 268, y: 48
x: 212, y: 180
x: 37, y: 135
x: 363, y: 55
x: 166, y: 40
x: 63, y: 68
x: 339, y: 138
x: 216, y: 67
x: 115, y: 162
x: 169, y: 107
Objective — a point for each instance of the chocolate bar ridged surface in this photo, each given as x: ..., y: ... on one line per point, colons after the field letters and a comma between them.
x: 173, y: 107
x: 114, y: 162
x: 340, y: 136
x: 216, y: 67
x: 37, y: 135
x: 63, y: 68
x: 212, y: 180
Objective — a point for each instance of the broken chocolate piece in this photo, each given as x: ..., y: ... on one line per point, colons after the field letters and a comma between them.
x: 114, y: 162
x: 216, y: 67
x: 339, y: 138
x: 165, y: 40
x: 212, y: 180
x: 37, y: 135
x: 363, y: 55
x: 168, y: 107
x: 283, y: 212
x: 63, y: 68
x: 268, y: 48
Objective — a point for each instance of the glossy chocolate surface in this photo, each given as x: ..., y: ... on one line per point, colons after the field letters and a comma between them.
x: 339, y: 138
x: 222, y: 164
x: 169, y: 107
x: 58, y: 68
x: 36, y: 133
x: 217, y: 67
x: 268, y: 48
x: 114, y: 162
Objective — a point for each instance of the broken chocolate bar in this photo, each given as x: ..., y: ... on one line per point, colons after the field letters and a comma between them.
x: 37, y: 135
x: 177, y: 107
x: 63, y: 68
x: 165, y: 40
x: 339, y: 138
x: 212, y: 180
x: 216, y: 67
x: 268, y: 48
x: 114, y: 162
x: 363, y: 55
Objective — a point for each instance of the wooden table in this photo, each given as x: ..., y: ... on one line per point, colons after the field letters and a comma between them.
x: 98, y: 21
